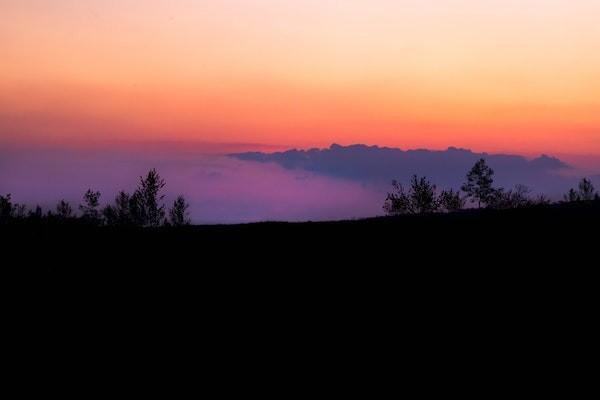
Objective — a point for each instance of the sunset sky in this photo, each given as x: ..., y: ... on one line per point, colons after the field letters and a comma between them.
x: 491, y: 75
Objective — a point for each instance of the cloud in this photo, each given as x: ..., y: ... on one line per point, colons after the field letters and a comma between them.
x: 379, y: 165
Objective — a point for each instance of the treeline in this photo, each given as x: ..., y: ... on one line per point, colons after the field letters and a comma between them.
x: 144, y: 207
x: 422, y: 196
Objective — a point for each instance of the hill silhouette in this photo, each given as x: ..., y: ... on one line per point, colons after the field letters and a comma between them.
x: 535, y: 236
x: 431, y: 279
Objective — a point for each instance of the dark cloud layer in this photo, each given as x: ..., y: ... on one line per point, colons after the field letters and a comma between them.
x: 379, y: 165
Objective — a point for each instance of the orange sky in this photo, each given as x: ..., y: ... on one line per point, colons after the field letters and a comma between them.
x: 510, y: 75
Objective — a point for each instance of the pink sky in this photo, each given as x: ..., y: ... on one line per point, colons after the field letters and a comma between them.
x: 511, y: 75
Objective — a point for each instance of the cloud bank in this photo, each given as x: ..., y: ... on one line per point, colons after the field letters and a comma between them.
x: 379, y: 165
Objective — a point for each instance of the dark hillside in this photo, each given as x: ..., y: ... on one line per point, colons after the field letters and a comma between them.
x: 525, y: 239
x: 512, y: 282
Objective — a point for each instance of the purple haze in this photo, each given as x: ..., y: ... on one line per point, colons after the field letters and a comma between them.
x: 335, y: 183
x: 220, y: 189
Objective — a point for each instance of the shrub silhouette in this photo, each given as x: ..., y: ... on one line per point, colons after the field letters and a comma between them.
x: 585, y: 192
x: 64, y: 210
x: 109, y: 215
x: 90, y: 206
x: 514, y: 198
x: 178, y: 214
x: 122, y: 204
x: 451, y: 201
x: 542, y: 199
x: 479, y: 184
x: 145, y: 204
x: 136, y: 209
x: 19, y: 211
x: 420, y: 198
x: 6, y: 208
x: 36, y: 213
x: 398, y: 201
x: 120, y: 213
x: 423, y: 197
x: 143, y: 208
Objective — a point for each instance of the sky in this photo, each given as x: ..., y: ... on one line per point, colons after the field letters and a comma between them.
x: 517, y: 76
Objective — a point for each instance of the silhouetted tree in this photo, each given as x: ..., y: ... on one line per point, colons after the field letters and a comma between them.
x: 120, y: 213
x: 64, y: 210
x: 147, y: 199
x: 499, y: 200
x: 479, y: 184
x: 19, y: 211
x: 90, y: 206
x: 6, y: 208
x: 110, y: 215
x: 178, y: 214
x: 542, y: 199
x: 122, y: 205
x: 397, y: 201
x: 515, y: 198
x: 585, y: 192
x: 36, y: 213
x: 423, y: 198
x: 420, y: 198
x: 451, y: 201
x: 571, y: 196
x: 136, y: 208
